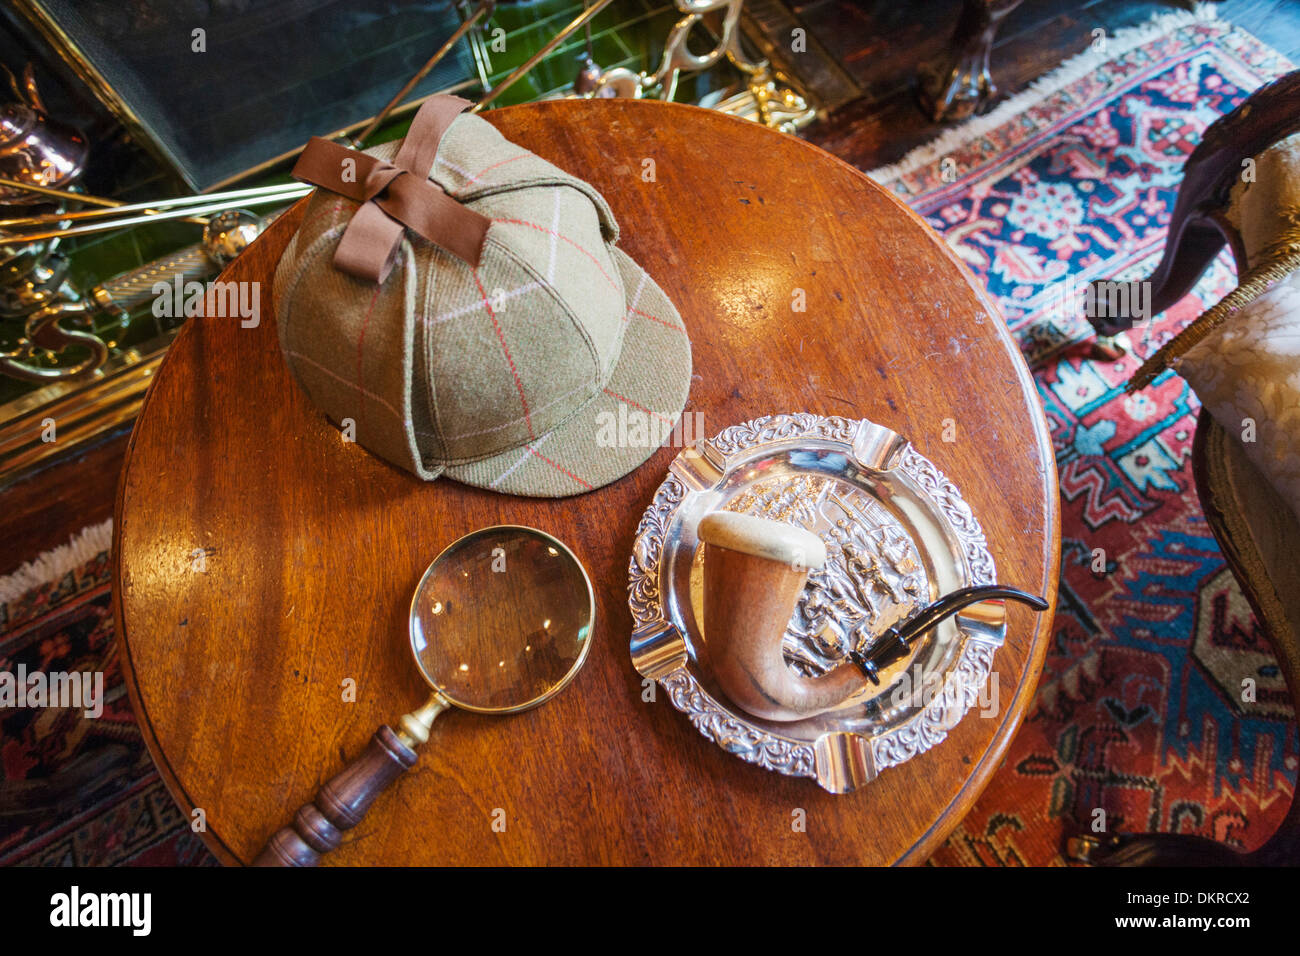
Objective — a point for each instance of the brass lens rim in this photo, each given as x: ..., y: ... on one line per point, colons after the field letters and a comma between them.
x: 555, y: 688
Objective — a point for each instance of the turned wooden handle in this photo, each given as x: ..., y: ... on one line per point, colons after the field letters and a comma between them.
x: 340, y: 804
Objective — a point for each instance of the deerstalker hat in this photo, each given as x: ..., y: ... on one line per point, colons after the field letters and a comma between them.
x: 461, y: 305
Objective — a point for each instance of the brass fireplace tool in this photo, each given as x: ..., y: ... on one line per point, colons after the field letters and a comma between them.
x: 41, y: 164
x: 763, y: 95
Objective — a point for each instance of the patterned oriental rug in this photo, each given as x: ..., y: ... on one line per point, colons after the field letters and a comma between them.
x: 1138, y: 711
x: 76, y: 791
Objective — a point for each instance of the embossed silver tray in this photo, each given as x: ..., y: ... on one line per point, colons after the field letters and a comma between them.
x: 898, y: 535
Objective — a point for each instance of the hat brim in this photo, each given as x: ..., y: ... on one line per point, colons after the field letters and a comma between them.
x: 637, y: 412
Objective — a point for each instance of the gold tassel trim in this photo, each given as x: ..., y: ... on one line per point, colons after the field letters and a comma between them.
x: 1277, y: 261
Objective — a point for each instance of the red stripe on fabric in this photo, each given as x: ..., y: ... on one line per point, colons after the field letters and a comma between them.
x: 636, y: 405
x: 329, y: 212
x: 664, y: 322
x: 558, y: 468
x: 474, y: 177
x: 361, y: 344
x: 552, y: 232
x: 501, y: 337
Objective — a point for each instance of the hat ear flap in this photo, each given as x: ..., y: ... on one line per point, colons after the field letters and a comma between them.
x: 471, y: 142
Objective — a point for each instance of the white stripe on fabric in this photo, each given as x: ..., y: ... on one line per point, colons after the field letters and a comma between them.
x: 528, y: 450
x: 475, y: 306
x: 636, y: 296
x: 456, y: 169
x: 371, y: 395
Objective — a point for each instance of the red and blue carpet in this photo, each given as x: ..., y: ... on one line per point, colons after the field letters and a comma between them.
x: 1139, y: 709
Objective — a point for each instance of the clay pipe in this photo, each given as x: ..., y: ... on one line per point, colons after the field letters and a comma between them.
x: 754, y: 573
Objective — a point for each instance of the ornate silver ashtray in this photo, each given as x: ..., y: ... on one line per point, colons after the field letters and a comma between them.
x: 898, y: 535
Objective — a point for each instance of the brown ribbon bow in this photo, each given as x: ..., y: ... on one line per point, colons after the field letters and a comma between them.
x: 395, y: 195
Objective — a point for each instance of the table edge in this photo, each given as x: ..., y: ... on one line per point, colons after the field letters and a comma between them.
x: 976, y: 781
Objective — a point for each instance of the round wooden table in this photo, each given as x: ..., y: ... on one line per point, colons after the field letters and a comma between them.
x: 263, y: 565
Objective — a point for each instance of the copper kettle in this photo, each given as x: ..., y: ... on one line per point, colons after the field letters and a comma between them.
x: 35, y: 149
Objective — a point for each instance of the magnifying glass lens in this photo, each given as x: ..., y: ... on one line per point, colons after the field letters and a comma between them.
x: 502, y: 619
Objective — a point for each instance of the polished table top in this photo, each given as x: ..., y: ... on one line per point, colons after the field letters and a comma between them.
x: 262, y: 563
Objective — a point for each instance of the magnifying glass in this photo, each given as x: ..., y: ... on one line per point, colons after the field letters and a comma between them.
x: 500, y: 622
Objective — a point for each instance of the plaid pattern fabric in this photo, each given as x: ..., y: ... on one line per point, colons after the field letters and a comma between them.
x: 500, y: 376
x: 649, y: 381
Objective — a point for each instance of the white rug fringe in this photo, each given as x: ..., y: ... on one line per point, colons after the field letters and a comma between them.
x: 1117, y: 44
x: 55, y: 563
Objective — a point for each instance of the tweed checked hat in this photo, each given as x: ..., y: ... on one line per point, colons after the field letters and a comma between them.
x: 462, y: 305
